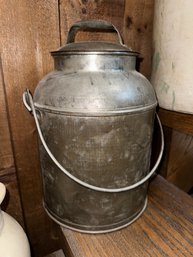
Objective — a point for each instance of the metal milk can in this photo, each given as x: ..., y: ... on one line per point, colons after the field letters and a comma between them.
x: 94, y: 114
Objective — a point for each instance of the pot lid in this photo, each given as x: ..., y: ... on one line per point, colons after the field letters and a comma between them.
x: 93, y: 46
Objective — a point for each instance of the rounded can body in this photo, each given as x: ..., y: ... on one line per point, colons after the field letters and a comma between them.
x: 96, y: 114
x: 111, y: 151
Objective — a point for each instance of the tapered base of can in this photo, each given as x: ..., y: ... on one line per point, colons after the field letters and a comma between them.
x: 96, y: 229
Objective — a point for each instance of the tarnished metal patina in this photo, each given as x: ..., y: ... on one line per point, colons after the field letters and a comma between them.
x: 95, y: 120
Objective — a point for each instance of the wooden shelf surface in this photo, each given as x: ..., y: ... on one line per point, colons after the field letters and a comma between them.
x: 58, y: 253
x: 165, y: 229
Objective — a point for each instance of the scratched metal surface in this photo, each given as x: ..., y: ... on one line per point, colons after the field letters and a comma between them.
x: 96, y: 113
x: 104, y: 151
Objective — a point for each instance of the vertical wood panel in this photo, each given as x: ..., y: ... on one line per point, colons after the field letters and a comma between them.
x: 12, y: 201
x: 162, y: 169
x: 179, y: 148
x: 180, y: 162
x: 29, y: 30
x: 76, y: 10
x: 6, y: 153
x: 138, y: 27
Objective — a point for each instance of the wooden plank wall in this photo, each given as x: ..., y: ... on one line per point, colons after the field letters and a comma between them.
x: 178, y: 158
x: 6, y: 152
x: 138, y: 26
x: 72, y: 11
x: 7, y: 170
x: 29, y: 30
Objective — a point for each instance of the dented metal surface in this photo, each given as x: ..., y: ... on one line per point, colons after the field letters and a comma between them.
x: 96, y: 115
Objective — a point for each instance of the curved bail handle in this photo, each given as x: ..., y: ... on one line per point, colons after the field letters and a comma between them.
x: 79, y: 181
x: 26, y: 95
x: 92, y: 25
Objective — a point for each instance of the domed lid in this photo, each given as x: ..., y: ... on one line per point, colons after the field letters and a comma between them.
x: 94, y: 46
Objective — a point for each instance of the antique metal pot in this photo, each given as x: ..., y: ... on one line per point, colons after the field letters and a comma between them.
x: 94, y: 114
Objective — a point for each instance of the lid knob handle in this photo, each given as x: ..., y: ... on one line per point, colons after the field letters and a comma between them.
x: 90, y: 25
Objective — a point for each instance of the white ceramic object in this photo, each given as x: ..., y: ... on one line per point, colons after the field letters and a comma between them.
x: 13, y: 240
x: 172, y: 74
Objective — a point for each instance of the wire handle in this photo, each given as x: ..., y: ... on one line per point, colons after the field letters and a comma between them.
x: 28, y: 101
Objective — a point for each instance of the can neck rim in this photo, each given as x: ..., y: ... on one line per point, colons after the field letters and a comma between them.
x: 93, y: 47
x: 56, y: 54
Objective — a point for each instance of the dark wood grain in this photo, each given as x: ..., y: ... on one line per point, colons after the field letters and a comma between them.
x: 138, y: 28
x: 162, y: 168
x: 59, y: 253
x: 179, y: 148
x: 165, y: 229
x: 180, y: 160
x: 29, y: 30
x: 12, y: 201
x: 6, y: 152
x: 75, y: 10
x: 176, y: 120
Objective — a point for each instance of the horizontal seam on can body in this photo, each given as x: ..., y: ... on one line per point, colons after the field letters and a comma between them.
x: 99, y: 112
